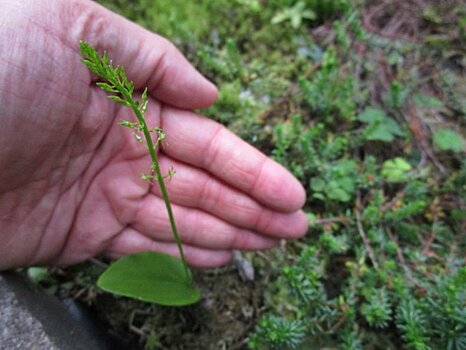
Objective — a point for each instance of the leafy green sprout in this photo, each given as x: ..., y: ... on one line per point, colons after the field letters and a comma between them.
x: 121, y: 90
x: 295, y: 15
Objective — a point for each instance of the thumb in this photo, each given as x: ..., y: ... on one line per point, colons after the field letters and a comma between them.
x: 149, y: 59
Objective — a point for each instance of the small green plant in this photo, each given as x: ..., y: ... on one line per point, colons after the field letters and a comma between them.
x: 379, y: 126
x: 294, y: 14
x: 396, y: 170
x: 148, y: 276
x: 366, y: 116
x: 330, y: 93
x: 279, y: 332
x: 448, y: 140
x: 377, y: 309
x: 336, y: 182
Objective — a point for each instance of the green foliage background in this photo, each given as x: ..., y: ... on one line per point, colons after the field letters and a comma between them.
x: 364, y: 101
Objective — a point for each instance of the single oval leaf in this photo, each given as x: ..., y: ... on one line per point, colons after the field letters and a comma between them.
x: 448, y: 140
x: 154, y: 277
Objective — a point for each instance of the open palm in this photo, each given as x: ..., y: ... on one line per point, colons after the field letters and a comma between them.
x: 70, y: 184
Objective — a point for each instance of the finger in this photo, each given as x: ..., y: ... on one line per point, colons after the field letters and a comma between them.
x: 149, y: 59
x: 204, y: 143
x: 196, y: 228
x: 194, y: 188
x: 131, y: 241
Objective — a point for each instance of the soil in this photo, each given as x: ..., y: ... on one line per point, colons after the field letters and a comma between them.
x: 226, y: 314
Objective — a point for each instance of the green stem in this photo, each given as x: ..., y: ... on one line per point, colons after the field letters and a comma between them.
x: 160, y: 179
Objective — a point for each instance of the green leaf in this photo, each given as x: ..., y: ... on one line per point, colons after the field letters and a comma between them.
x: 119, y: 100
x: 347, y: 184
x: 448, y: 140
x: 379, y: 133
x: 38, y: 274
x: 427, y: 101
x: 395, y: 170
x: 154, y: 277
x: 128, y: 124
x: 280, y: 17
x: 311, y: 217
x: 317, y: 184
x: 107, y: 87
x: 309, y: 14
x: 144, y: 102
x: 380, y: 127
x: 335, y: 192
x: 371, y: 115
x: 294, y: 14
x: 318, y: 195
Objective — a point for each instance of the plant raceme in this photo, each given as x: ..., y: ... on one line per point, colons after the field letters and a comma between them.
x: 148, y: 276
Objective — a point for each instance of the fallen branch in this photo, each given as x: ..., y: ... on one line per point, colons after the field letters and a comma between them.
x: 341, y: 219
x: 364, y: 237
x: 393, y: 202
x: 401, y: 257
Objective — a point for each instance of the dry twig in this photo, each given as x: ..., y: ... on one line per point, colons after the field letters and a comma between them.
x: 363, y: 235
x: 401, y: 257
x: 341, y: 219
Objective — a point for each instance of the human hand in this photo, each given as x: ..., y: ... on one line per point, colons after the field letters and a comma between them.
x: 70, y: 184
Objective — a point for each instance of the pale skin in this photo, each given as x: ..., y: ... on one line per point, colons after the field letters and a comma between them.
x: 70, y: 185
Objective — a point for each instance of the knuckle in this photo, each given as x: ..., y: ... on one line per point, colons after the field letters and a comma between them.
x: 213, y: 148
x: 92, y: 24
x: 211, y: 194
x: 264, y: 222
x: 167, y: 46
x: 240, y: 240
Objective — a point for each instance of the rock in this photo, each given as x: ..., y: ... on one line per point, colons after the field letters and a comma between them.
x: 32, y: 320
x: 18, y: 329
x: 243, y: 266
